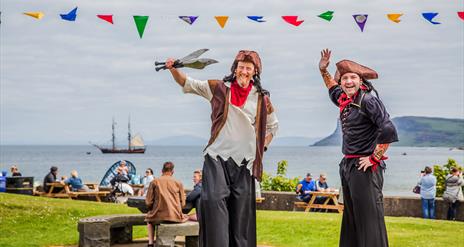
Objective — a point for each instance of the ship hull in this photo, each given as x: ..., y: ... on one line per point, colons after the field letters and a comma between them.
x: 125, y: 151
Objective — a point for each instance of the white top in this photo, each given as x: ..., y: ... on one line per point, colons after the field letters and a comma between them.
x: 237, y: 138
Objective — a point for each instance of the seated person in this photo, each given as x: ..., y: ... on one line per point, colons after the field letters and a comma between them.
x: 321, y: 185
x: 146, y: 182
x: 120, y: 181
x: 15, y: 172
x: 305, y: 187
x: 165, y: 199
x: 51, y: 178
x: 124, y: 168
x: 193, y: 198
x: 76, y: 183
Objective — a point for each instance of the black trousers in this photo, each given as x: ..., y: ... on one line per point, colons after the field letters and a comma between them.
x: 363, y: 223
x: 452, y: 209
x: 228, y: 205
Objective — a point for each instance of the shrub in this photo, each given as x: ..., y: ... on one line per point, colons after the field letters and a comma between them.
x: 280, y: 182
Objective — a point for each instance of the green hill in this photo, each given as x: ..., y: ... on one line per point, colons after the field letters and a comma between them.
x: 417, y: 132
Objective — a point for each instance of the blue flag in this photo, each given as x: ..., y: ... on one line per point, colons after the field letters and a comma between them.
x: 256, y: 18
x: 71, y: 16
x: 429, y: 17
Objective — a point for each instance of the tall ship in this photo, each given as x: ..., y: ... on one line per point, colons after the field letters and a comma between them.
x: 135, y: 143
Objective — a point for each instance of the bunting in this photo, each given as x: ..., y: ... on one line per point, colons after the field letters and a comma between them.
x: 36, y: 15
x: 361, y: 21
x: 429, y: 17
x: 108, y: 18
x: 222, y: 20
x: 394, y: 17
x: 256, y: 18
x: 141, y: 23
x: 328, y: 15
x: 189, y: 19
x: 461, y: 15
x: 71, y: 16
x: 292, y: 19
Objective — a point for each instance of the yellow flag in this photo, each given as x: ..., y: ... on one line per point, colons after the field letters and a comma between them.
x: 394, y: 17
x: 37, y: 15
x: 222, y: 20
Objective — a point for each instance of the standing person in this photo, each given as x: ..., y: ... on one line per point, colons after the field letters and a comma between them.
x: 193, y: 198
x: 428, y: 191
x: 367, y: 134
x: 243, y: 125
x: 165, y: 199
x: 146, y: 182
x: 305, y: 187
x: 453, y: 192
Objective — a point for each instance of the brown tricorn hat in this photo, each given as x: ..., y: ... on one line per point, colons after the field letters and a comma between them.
x: 247, y: 56
x: 347, y: 66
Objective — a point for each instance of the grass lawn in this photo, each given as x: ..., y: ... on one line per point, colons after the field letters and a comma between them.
x: 37, y: 221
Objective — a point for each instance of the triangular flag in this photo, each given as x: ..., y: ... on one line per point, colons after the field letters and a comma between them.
x: 221, y: 20
x: 140, y: 22
x: 292, y: 19
x: 394, y: 17
x: 189, y: 19
x: 461, y: 15
x: 327, y: 15
x: 256, y: 18
x: 108, y: 18
x: 37, y: 15
x: 429, y: 17
x: 71, y: 16
x: 361, y: 21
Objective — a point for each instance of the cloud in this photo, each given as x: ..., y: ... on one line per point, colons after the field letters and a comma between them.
x: 62, y: 82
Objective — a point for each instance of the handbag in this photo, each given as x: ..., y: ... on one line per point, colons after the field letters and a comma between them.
x: 416, y: 189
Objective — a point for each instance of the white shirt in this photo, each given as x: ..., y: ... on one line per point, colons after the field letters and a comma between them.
x: 237, y: 138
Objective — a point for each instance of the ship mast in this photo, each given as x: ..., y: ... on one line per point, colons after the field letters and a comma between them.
x: 113, y: 138
x: 129, y: 134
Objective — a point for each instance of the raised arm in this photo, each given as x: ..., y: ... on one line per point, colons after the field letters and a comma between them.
x: 178, y: 75
x: 323, y: 65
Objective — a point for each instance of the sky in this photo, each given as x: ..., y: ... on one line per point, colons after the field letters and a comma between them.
x: 62, y: 82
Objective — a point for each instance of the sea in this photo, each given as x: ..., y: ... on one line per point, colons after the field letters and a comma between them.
x: 402, y: 174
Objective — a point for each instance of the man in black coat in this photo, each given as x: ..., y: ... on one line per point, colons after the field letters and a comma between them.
x: 367, y: 134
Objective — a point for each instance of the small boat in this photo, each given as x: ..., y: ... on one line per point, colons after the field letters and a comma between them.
x: 88, y: 153
x: 135, y: 143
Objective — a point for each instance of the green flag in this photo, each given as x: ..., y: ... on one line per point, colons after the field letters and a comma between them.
x: 140, y: 22
x: 327, y: 15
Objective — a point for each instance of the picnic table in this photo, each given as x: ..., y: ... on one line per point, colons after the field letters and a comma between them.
x: 66, y: 192
x: 328, y: 195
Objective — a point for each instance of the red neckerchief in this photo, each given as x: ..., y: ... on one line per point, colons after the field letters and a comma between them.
x: 238, y: 94
x: 343, y: 101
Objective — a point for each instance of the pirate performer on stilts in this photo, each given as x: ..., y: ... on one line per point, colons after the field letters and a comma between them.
x: 243, y: 125
x: 367, y: 133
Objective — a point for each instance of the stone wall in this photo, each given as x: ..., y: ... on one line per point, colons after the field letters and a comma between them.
x: 394, y: 205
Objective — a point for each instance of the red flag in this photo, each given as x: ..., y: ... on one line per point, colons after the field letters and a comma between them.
x: 461, y: 15
x: 108, y: 18
x: 292, y: 19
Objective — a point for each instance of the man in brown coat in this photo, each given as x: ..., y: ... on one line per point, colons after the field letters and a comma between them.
x: 165, y: 199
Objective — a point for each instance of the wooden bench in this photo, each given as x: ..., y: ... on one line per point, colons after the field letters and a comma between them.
x: 66, y: 192
x: 260, y: 199
x: 329, y: 196
x: 107, y: 230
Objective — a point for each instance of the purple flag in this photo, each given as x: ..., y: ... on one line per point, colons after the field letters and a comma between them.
x: 189, y: 19
x: 361, y: 21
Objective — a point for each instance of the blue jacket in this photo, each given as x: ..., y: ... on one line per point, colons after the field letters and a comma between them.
x: 428, y: 186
